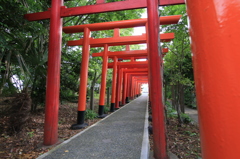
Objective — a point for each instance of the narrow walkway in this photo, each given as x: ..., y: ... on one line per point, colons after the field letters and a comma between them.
x: 118, y: 136
x: 193, y: 113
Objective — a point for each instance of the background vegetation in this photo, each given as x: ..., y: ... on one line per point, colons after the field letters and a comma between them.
x: 178, y: 72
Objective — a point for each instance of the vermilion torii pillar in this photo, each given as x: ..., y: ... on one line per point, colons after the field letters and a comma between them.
x: 114, y: 83
x: 215, y: 37
x: 103, y: 82
x: 119, y: 88
x: 155, y: 64
x: 83, y: 82
x: 53, y: 74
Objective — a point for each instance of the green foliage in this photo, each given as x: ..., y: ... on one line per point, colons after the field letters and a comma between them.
x: 178, y: 71
x: 30, y: 134
x: 23, y: 55
x: 90, y: 114
x: 24, y: 48
x: 190, y: 98
x: 190, y: 133
x: 185, y: 118
x: 171, y: 113
x: 106, y: 109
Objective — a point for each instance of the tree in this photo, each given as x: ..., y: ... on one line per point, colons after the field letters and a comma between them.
x: 23, y: 49
x: 178, y: 73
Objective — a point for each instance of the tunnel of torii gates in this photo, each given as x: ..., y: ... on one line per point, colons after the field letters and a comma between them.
x: 214, y: 30
x: 114, y: 41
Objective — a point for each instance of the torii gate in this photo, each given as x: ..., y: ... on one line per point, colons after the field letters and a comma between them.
x: 125, y: 98
x: 126, y: 85
x: 139, y: 64
x: 120, y: 85
x: 130, y: 55
x: 115, y: 40
x: 133, y: 77
x: 119, y: 54
x: 139, y: 81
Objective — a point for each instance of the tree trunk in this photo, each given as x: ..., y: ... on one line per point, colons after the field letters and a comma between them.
x: 165, y: 92
x: 173, y: 90
x: 180, y: 121
x: 181, y: 98
x: 108, y: 96
x: 178, y: 102
x: 92, y: 98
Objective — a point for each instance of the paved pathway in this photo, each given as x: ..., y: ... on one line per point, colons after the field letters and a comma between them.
x: 121, y: 135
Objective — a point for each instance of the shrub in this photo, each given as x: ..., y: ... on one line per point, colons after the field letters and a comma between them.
x: 171, y: 113
x: 185, y: 118
x: 90, y: 114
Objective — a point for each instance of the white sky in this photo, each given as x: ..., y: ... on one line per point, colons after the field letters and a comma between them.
x: 141, y: 30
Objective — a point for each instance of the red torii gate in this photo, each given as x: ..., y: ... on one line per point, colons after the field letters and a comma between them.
x: 139, y: 81
x: 139, y: 64
x: 123, y: 54
x: 115, y: 40
x: 126, y: 85
x: 136, y: 88
x: 119, y: 54
x: 121, y: 85
x: 126, y: 82
x: 133, y: 77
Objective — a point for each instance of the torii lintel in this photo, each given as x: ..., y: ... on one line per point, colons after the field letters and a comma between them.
x: 98, y: 8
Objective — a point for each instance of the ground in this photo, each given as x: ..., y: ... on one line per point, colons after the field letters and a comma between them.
x: 28, y: 143
x: 182, y: 141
